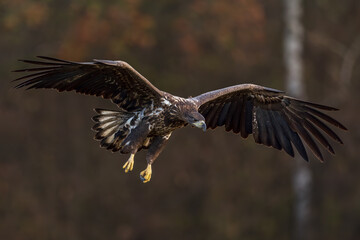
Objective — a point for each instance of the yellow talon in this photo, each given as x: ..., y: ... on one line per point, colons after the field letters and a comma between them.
x: 145, y: 175
x: 129, y: 163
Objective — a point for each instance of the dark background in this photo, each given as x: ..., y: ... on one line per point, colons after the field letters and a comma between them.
x: 55, y: 181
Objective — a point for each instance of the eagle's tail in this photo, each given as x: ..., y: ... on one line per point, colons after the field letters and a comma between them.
x: 111, y: 127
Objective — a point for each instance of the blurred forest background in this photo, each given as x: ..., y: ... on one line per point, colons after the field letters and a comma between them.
x: 55, y: 181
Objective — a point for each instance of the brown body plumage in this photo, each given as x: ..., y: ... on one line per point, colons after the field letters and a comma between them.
x: 147, y: 116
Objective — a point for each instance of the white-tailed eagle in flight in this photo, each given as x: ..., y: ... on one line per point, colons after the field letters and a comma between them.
x: 147, y: 116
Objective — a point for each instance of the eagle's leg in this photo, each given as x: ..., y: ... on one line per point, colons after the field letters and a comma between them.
x: 128, y: 166
x: 154, y: 150
x: 133, y: 142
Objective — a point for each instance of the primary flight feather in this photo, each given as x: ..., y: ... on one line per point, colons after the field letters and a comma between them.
x: 147, y: 116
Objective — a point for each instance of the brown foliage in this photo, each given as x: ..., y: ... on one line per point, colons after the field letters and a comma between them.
x: 56, y: 183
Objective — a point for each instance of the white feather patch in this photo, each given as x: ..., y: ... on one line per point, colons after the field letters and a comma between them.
x: 108, y: 131
x: 105, y: 125
x: 128, y: 122
x: 167, y: 136
x: 106, y: 118
x: 107, y: 112
x: 110, y: 138
x: 165, y: 102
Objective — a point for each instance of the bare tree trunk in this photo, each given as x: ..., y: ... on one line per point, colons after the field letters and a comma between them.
x: 293, y: 47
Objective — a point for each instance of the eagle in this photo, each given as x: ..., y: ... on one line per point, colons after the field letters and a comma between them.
x: 146, y: 116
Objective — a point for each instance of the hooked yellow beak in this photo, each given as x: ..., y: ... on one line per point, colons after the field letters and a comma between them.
x: 200, y: 124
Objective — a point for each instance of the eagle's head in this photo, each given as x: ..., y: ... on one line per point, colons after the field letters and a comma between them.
x: 190, y: 115
x: 187, y: 111
x: 195, y: 119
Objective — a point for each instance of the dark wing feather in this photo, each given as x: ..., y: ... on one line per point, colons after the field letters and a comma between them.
x: 274, y: 119
x: 115, y: 80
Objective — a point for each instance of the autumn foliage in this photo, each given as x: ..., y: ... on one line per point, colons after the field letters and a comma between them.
x: 56, y: 183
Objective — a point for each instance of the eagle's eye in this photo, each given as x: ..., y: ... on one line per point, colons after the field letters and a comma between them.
x: 190, y: 119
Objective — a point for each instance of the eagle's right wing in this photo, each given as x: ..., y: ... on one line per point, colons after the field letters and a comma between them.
x: 271, y: 117
x: 116, y: 80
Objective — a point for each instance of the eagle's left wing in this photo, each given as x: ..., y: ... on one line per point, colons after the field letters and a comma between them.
x: 274, y: 119
x: 116, y: 80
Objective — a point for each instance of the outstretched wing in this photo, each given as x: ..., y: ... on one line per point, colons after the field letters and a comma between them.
x: 274, y: 119
x: 115, y: 80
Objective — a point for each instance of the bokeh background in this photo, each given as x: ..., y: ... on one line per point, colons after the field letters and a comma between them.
x: 55, y: 181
